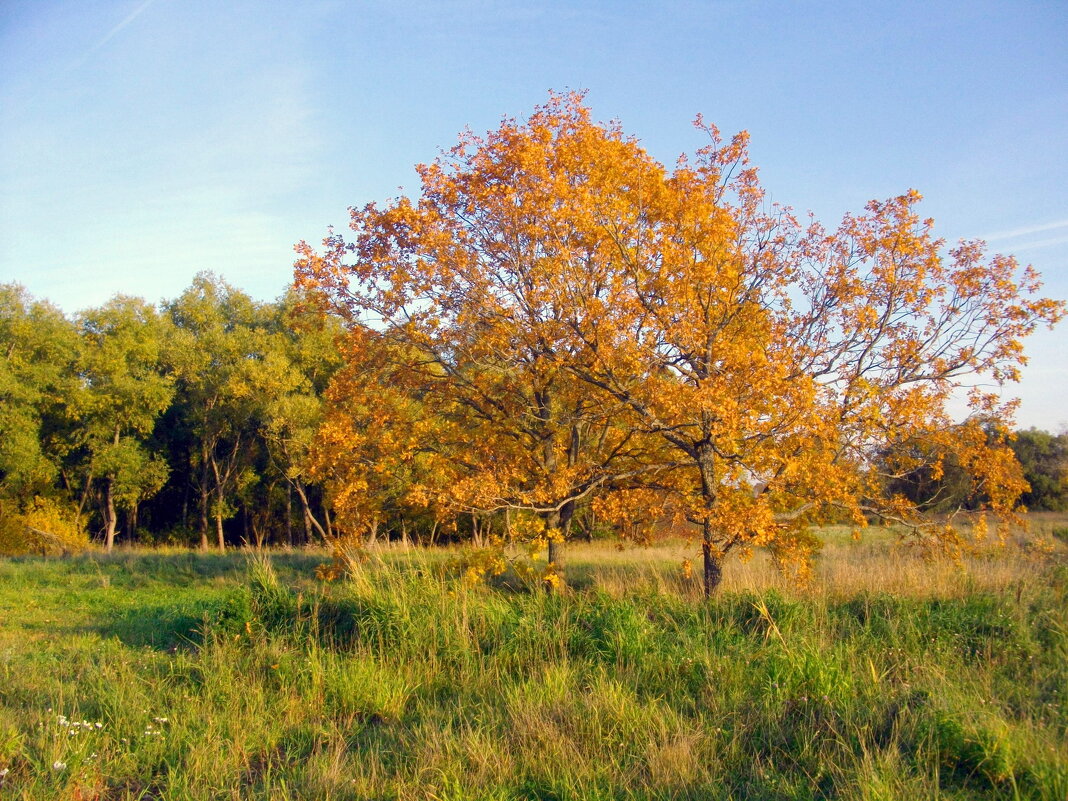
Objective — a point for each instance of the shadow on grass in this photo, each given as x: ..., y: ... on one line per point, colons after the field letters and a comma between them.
x: 163, y: 627
x: 185, y: 568
x: 176, y: 597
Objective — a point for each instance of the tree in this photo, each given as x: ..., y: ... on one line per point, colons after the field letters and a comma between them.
x: 217, y: 343
x: 448, y: 309
x: 1044, y: 457
x: 300, y: 357
x: 785, y: 371
x: 123, y: 391
x: 38, y: 347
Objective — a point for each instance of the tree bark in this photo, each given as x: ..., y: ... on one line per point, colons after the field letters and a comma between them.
x: 309, y: 518
x: 110, y: 518
x: 289, y: 515
x: 713, y: 566
x: 204, y: 493
x: 561, y: 521
x: 372, y: 532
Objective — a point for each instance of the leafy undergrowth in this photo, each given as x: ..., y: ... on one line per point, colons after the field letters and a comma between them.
x: 184, y: 677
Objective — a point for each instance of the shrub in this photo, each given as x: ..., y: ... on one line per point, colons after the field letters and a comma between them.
x: 43, y: 526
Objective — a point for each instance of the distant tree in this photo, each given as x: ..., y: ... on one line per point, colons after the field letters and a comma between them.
x: 38, y: 348
x: 123, y: 390
x: 1044, y: 457
x: 300, y: 357
x: 216, y: 346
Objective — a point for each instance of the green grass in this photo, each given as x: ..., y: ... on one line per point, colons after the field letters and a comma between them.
x: 228, y: 678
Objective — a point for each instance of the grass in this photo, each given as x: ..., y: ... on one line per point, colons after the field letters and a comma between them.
x: 218, y: 677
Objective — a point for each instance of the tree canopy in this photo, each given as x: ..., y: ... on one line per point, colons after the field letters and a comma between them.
x: 573, y: 318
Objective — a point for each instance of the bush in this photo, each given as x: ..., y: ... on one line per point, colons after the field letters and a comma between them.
x: 43, y: 526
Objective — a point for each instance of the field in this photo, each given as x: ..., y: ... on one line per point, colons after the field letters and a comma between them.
x: 176, y: 675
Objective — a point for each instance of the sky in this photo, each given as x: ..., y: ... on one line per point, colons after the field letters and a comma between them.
x: 142, y: 141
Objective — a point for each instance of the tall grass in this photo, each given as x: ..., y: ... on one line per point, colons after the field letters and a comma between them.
x: 888, y: 678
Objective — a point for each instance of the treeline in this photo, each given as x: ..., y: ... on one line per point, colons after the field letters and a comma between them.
x: 186, y: 422
x: 947, y: 487
x: 194, y: 422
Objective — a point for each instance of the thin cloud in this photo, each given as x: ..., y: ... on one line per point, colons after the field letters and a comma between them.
x: 115, y: 31
x: 1026, y: 231
x: 1041, y: 243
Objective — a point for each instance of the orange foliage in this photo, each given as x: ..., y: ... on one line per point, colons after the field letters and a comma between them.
x: 558, y: 316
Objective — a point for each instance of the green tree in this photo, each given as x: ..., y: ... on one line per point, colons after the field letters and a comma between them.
x: 217, y: 347
x: 38, y: 348
x: 123, y: 391
x: 300, y: 358
x: 1044, y: 457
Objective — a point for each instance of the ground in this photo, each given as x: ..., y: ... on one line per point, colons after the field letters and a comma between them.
x: 177, y: 675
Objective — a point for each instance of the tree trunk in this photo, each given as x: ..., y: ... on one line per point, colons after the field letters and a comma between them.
x: 132, y: 521
x: 552, y: 526
x: 554, y: 552
x: 372, y: 532
x: 309, y: 518
x: 713, y: 567
x: 110, y: 518
x: 560, y: 521
x: 289, y: 515
x: 204, y: 492
x: 85, y: 494
x: 219, y: 532
x: 476, y: 531
x: 713, y: 559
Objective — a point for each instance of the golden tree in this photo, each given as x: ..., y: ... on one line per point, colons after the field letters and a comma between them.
x: 553, y: 278
x: 448, y: 303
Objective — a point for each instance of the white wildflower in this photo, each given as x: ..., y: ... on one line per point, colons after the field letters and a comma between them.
x: 57, y: 765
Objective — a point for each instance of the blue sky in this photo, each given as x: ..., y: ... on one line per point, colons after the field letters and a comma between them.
x: 141, y: 142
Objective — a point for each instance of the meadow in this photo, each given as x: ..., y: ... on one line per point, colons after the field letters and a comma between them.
x: 171, y: 674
